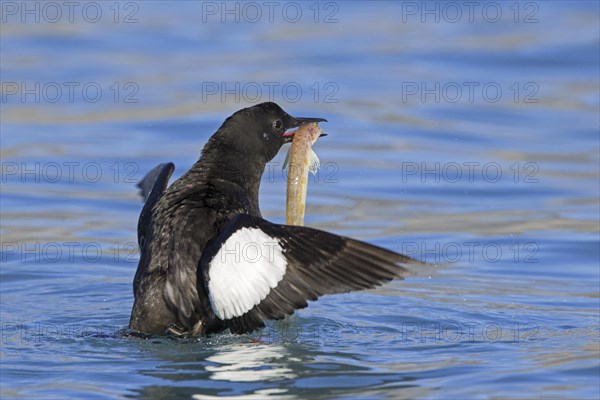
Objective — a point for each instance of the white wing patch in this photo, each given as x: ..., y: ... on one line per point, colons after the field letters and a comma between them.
x: 247, y: 266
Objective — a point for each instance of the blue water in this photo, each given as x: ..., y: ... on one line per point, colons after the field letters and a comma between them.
x: 466, y: 138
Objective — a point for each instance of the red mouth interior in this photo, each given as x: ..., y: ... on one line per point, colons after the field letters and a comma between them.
x: 290, y: 133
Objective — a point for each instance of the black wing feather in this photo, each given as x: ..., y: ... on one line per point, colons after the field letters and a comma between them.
x: 318, y: 263
x: 155, y: 181
x: 151, y: 187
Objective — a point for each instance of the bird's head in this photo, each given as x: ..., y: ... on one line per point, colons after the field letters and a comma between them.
x: 258, y: 132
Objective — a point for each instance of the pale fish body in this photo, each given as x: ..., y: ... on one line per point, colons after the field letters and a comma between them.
x: 300, y: 160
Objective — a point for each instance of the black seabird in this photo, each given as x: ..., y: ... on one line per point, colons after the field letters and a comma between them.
x: 209, y: 261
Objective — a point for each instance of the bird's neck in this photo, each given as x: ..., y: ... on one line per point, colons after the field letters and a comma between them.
x: 231, y: 176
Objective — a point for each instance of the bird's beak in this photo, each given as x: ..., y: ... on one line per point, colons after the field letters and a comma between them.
x: 296, y: 122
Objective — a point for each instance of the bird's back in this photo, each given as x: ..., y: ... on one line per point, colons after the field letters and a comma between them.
x: 184, y: 218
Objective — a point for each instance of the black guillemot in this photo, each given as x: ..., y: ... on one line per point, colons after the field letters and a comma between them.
x: 210, y: 262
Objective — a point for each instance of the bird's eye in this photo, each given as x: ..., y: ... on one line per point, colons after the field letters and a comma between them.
x: 278, y: 124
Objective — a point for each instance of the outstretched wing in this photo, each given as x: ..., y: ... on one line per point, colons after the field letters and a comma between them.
x: 151, y: 187
x: 256, y: 270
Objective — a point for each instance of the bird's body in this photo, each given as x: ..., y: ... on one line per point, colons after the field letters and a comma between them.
x: 208, y: 261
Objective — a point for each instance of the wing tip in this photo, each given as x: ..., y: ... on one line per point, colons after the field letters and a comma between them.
x: 162, y: 172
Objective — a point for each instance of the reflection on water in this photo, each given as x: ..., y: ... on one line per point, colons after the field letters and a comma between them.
x: 242, y: 363
x: 272, y: 393
x: 500, y: 193
x: 252, y: 363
